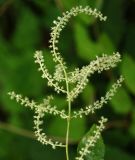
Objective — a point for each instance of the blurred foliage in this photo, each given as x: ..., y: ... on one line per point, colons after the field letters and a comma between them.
x: 24, y: 28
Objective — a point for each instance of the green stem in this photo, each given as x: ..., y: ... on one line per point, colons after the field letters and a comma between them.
x: 69, y: 115
x: 68, y: 127
x: 69, y: 101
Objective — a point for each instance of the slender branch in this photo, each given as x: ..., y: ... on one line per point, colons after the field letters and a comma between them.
x: 18, y: 131
x: 30, y: 134
x: 69, y: 117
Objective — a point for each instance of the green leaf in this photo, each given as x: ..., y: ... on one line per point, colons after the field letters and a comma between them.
x: 98, y: 151
x: 132, y: 125
x: 6, y: 142
x: 116, y: 137
x: 93, y: 4
x: 121, y: 102
x: 53, y: 11
x: 106, y: 44
x: 77, y: 128
x: 88, y: 93
x: 68, y: 4
x: 27, y: 71
x: 60, y: 101
x: 130, y: 45
x: 42, y: 4
x: 48, y: 60
x: 27, y: 33
x: 115, y: 24
x: 116, y: 153
x: 85, y: 47
x: 128, y: 71
x: 37, y: 151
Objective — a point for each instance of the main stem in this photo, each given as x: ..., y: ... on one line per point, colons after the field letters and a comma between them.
x: 69, y: 116
x: 68, y: 126
x: 68, y: 96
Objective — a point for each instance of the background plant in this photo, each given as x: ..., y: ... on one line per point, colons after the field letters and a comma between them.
x: 78, y: 77
x: 34, y: 18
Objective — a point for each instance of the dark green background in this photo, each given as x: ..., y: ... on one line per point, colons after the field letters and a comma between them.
x: 24, y: 28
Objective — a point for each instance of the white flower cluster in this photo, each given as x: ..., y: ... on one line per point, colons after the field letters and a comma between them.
x: 58, y: 74
x: 45, y: 106
x: 41, y: 136
x: 92, y: 140
x: 23, y: 101
x: 81, y: 76
x: 63, y: 81
x: 45, y: 73
x: 99, y: 103
x: 61, y: 23
x: 40, y: 110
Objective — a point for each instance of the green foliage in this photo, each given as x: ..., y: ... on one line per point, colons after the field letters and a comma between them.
x: 78, y: 77
x: 116, y: 25
x: 24, y: 28
x: 77, y: 127
x: 87, y: 50
x: 88, y: 94
x: 121, y: 102
x: 98, y: 151
x: 23, y: 36
x: 132, y: 125
x: 129, y: 44
x: 128, y: 70
x: 112, y: 153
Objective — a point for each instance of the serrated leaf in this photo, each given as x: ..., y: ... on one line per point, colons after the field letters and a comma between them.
x: 121, y: 102
x: 128, y: 71
x: 98, y: 151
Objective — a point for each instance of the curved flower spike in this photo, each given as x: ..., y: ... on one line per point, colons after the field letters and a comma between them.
x: 101, y: 63
x: 99, y: 103
x: 45, y: 73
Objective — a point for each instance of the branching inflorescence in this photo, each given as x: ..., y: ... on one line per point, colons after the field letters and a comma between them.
x: 78, y: 78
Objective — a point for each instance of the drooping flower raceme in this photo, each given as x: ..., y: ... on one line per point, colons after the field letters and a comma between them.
x: 61, y: 80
